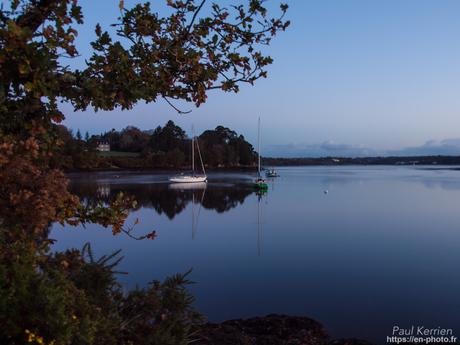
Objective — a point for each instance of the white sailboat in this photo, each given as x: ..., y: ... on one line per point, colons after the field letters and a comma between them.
x: 271, y: 173
x: 193, y: 178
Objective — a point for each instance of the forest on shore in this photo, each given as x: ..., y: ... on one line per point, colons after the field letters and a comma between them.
x: 169, y: 147
x: 164, y: 147
x: 173, y: 51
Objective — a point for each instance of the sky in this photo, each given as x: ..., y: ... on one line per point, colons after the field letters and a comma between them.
x: 352, y: 77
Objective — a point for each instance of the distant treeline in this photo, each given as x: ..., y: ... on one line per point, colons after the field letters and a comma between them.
x: 169, y: 147
x: 408, y: 160
x: 164, y: 147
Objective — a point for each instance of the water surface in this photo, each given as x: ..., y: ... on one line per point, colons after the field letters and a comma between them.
x: 380, y: 248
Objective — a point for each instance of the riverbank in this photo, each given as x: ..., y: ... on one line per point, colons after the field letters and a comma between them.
x: 270, y: 330
x: 395, y: 160
x: 146, y: 170
x: 120, y: 163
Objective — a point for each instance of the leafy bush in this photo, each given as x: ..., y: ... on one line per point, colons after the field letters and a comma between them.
x: 72, y: 298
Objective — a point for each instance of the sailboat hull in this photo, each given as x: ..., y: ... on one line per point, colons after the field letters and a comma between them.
x: 188, y: 179
x: 260, y: 185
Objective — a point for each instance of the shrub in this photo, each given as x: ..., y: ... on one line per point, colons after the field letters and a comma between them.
x: 72, y: 298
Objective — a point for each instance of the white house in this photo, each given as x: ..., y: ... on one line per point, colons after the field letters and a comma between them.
x: 103, y: 146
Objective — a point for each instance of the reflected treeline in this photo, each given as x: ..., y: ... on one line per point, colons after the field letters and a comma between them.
x: 163, y: 198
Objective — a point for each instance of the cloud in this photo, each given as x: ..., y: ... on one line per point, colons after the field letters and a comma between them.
x: 446, y: 147
x: 327, y: 148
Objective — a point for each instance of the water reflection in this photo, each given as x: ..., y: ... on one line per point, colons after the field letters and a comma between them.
x: 165, y: 198
x: 383, y: 241
x: 260, y: 195
x: 201, y: 187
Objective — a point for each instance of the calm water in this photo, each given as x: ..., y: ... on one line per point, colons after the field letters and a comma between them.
x: 382, y: 247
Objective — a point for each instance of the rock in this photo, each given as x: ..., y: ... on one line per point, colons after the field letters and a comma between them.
x: 269, y: 330
x: 351, y: 341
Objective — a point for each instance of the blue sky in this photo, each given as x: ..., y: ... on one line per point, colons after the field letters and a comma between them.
x: 355, y: 75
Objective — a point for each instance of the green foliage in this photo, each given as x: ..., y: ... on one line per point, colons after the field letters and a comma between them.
x: 62, y: 298
x: 118, y: 154
x: 223, y: 147
x: 167, y: 138
x: 40, y: 298
x: 73, y: 298
x: 180, y: 56
x: 165, y: 147
x: 72, y: 153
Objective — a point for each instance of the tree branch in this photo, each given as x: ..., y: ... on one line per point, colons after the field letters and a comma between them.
x: 175, y: 108
x: 194, y: 16
x: 37, y: 14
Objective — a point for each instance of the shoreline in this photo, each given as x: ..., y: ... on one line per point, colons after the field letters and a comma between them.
x: 452, y: 167
x: 136, y: 164
x: 272, y: 329
x: 150, y: 169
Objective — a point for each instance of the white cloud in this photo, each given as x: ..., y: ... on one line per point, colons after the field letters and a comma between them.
x: 447, y: 147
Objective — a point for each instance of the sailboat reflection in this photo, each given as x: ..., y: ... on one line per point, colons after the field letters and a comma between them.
x: 188, y: 186
x: 164, y: 198
x: 193, y: 187
x: 260, y: 194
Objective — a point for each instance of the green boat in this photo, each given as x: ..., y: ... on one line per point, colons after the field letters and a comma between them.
x: 259, y: 183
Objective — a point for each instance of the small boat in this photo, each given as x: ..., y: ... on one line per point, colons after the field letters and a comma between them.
x: 271, y: 173
x: 193, y: 178
x: 259, y: 183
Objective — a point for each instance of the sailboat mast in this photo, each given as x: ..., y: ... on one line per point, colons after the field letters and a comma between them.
x: 193, y: 151
x: 258, y: 148
x: 199, y: 155
x: 193, y: 214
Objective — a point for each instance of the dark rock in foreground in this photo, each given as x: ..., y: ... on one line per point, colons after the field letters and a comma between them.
x: 269, y: 330
x: 349, y: 342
